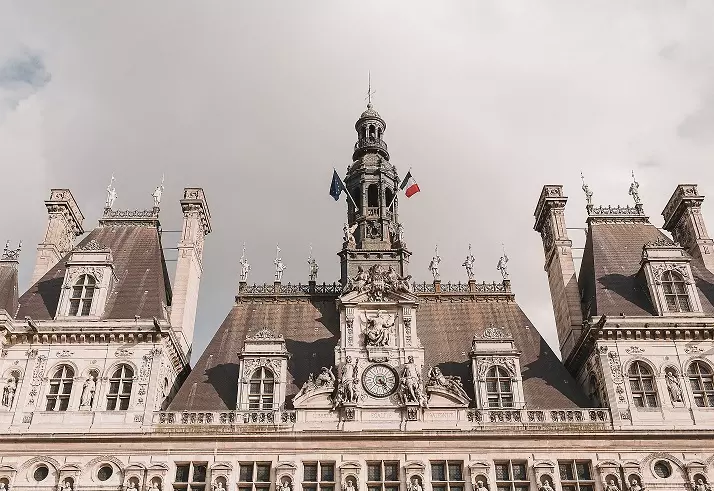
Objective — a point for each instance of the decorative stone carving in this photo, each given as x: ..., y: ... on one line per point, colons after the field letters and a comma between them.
x: 434, y: 264
x: 673, y: 387
x: 265, y: 333
x: 415, y: 484
x: 700, y: 485
x: 693, y: 349
x: 123, y: 353
x: 397, y: 234
x: 485, y: 363
x: 350, y: 484
x: 250, y: 364
x: 10, y: 254
x: 615, y: 367
x: 244, y: 266
x: 611, y: 485
x: 348, y: 386
x: 480, y: 486
x: 377, y: 282
x: 494, y: 333
x: 411, y: 390
x: 379, y: 326
x: 469, y: 264
x: 634, y: 349
x: 324, y: 380
x: 8, y: 392
x: 65, y: 354
x: 88, y: 390
x: 635, y: 485
x: 659, y: 269
x: 37, y: 373
x: 92, y: 246
x: 348, y: 235
x: 546, y: 486
x: 502, y: 266
x: 448, y: 383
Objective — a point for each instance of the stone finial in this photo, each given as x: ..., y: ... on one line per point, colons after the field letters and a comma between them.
x: 244, y: 266
x: 635, y: 190
x: 434, y: 264
x: 111, y: 194
x: 469, y: 264
x: 11, y: 254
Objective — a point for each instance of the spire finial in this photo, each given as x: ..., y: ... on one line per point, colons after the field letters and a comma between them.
x: 370, y: 92
x: 586, y: 190
x: 635, y: 190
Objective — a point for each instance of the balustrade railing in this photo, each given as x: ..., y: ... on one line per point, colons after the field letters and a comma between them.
x: 274, y: 418
x: 599, y: 418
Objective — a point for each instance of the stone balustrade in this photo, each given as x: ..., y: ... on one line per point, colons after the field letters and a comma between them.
x: 596, y: 418
x: 270, y: 418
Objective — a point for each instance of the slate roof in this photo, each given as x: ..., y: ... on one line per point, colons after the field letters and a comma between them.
x: 609, y: 281
x: 311, y: 331
x: 141, y: 287
x: 8, y: 286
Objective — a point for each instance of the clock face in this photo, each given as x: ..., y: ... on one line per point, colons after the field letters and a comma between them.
x: 379, y: 380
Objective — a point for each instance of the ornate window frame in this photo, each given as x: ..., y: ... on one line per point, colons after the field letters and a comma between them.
x: 91, y: 259
x: 267, y: 350
x: 685, y: 376
x: 495, y: 347
x: 663, y: 255
x: 655, y: 384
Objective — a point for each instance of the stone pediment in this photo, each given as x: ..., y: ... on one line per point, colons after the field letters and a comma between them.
x: 356, y: 297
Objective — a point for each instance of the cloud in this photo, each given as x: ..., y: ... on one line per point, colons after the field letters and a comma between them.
x: 21, y: 75
x: 699, y: 126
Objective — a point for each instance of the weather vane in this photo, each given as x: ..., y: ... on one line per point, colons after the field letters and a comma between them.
x: 370, y: 92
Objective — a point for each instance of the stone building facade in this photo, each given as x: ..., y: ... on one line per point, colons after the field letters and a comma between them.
x: 372, y: 383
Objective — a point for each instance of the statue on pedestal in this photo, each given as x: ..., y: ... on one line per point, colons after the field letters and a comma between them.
x: 411, y: 389
x: 611, y: 486
x: 347, y: 387
x: 546, y: 486
x: 111, y: 194
x: 673, y: 387
x: 244, y: 266
x: 434, y: 264
x: 469, y: 264
x: 88, y: 390
x: 635, y: 485
x: 414, y: 485
x: 312, y: 264
x: 502, y: 266
x: 279, y: 265
x: 158, y: 192
x: 8, y: 393
x: 348, y: 235
x: 635, y: 190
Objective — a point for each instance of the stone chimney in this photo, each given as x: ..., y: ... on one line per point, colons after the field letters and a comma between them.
x: 189, y: 266
x: 9, y: 261
x: 683, y: 219
x: 63, y: 226
x: 564, y: 292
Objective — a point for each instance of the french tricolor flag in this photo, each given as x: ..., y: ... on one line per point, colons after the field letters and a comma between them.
x: 410, y: 185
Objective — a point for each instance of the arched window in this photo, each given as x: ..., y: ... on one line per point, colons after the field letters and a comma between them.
x: 120, y: 388
x: 372, y: 196
x: 261, y: 389
x: 371, y: 132
x: 642, y: 385
x: 82, y: 294
x: 60, y: 388
x: 675, y: 292
x: 389, y: 196
x: 499, y: 387
x: 702, y: 383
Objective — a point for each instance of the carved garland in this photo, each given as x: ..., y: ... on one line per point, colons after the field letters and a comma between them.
x: 615, y: 367
x: 659, y: 269
x: 251, y: 364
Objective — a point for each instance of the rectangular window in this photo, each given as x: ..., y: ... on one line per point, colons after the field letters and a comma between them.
x: 383, y: 476
x: 511, y: 475
x: 576, y: 475
x: 447, y: 476
x: 190, y: 476
x: 254, y: 476
x: 318, y: 476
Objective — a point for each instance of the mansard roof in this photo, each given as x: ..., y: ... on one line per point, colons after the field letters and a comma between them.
x: 141, y: 287
x: 609, y: 281
x: 446, y: 325
x: 8, y: 287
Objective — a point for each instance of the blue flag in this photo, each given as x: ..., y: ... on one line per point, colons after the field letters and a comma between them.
x: 337, y: 186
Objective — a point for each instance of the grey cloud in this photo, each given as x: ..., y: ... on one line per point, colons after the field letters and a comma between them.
x: 21, y: 76
x: 699, y: 126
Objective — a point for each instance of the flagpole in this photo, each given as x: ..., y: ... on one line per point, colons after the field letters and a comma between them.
x: 345, y: 189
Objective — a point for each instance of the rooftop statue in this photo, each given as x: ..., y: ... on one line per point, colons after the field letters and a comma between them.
x: 279, y: 265
x: 635, y: 190
x: 502, y: 266
x: 469, y: 264
x: 158, y: 192
x: 244, y: 266
x: 314, y: 267
x: 111, y: 194
x: 434, y: 264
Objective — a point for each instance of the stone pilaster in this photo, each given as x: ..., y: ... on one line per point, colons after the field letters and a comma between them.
x: 63, y: 226
x: 189, y: 266
x: 564, y: 292
x: 683, y: 219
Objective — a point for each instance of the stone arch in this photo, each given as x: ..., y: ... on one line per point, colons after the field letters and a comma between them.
x: 104, y: 458
x: 700, y: 359
x: 27, y: 466
x: 632, y: 360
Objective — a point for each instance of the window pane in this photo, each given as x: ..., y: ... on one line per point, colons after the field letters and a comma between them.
x: 199, y: 473
x: 586, y: 487
x: 503, y: 487
x: 583, y: 469
x: 391, y: 488
x: 437, y: 472
x: 182, y: 473
x: 519, y: 472
x: 455, y: 473
x: 502, y: 473
x: 246, y: 472
x: 310, y: 472
x: 566, y: 471
x: 374, y: 472
x: 123, y: 404
x: 374, y: 488
x: 263, y: 474
x: 327, y: 473
x: 457, y: 488
x: 326, y: 488
x: 391, y: 471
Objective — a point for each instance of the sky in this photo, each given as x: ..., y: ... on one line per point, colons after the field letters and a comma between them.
x: 485, y: 100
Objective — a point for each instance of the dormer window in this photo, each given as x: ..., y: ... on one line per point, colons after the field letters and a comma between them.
x: 499, y: 387
x: 80, y: 302
x: 261, y: 390
x: 675, y: 292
